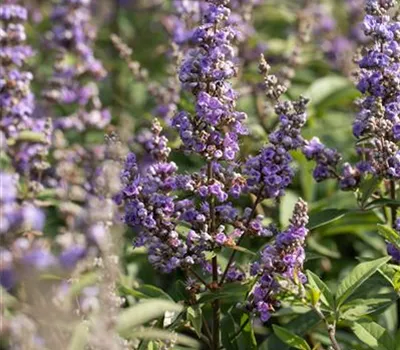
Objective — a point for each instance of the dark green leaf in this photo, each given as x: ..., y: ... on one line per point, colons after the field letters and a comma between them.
x: 290, y: 338
x: 357, y: 277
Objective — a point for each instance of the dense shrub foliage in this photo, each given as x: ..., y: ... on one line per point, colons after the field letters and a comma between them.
x: 200, y: 174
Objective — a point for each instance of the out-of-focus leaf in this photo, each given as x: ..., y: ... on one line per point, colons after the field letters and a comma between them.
x: 84, y: 281
x: 290, y: 338
x: 153, y: 333
x: 325, y: 217
x: 195, y: 317
x: 144, y: 312
x: 331, y: 252
x: 357, y: 277
x: 382, y: 202
x: 374, y: 335
x: 146, y: 291
x: 326, y: 294
x: 286, y: 207
x: 79, y: 337
x: 324, y: 87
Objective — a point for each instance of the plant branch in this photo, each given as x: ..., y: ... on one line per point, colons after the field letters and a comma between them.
x: 215, y: 304
x: 393, y: 197
x: 253, y: 211
x: 330, y: 327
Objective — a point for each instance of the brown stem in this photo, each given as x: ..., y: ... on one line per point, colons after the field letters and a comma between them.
x: 195, y: 274
x: 253, y: 211
x: 216, y: 304
x: 330, y: 327
x: 216, y: 307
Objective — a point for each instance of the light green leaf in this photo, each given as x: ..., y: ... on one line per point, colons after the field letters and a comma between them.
x: 324, y: 87
x: 357, y: 277
x: 360, y: 308
x: 326, y: 294
x: 290, y: 338
x: 374, y: 335
x: 144, y: 312
x: 195, y: 317
x: 389, y: 234
x: 286, y: 207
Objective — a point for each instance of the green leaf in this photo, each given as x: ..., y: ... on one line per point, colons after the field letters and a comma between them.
x: 144, y: 312
x: 382, y: 202
x: 286, y: 207
x: 195, y: 317
x: 290, y: 338
x: 28, y: 136
x: 326, y: 216
x: 374, y: 335
x: 368, y: 187
x: 243, y: 250
x: 389, y: 234
x: 324, y: 87
x: 360, y: 308
x: 357, y: 277
x: 228, y: 293
x: 396, y: 281
x: 301, y: 325
x: 326, y: 294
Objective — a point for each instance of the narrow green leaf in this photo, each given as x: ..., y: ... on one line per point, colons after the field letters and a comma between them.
x: 290, y: 338
x: 382, y: 202
x: 374, y: 335
x: 243, y: 250
x: 325, y: 217
x: 144, y: 312
x: 389, y: 234
x: 357, y: 277
x: 326, y: 294
x: 146, y: 291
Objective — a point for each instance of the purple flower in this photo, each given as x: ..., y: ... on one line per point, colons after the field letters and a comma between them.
x: 17, y: 103
x: 377, y: 121
x: 213, y: 132
x: 281, y: 260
